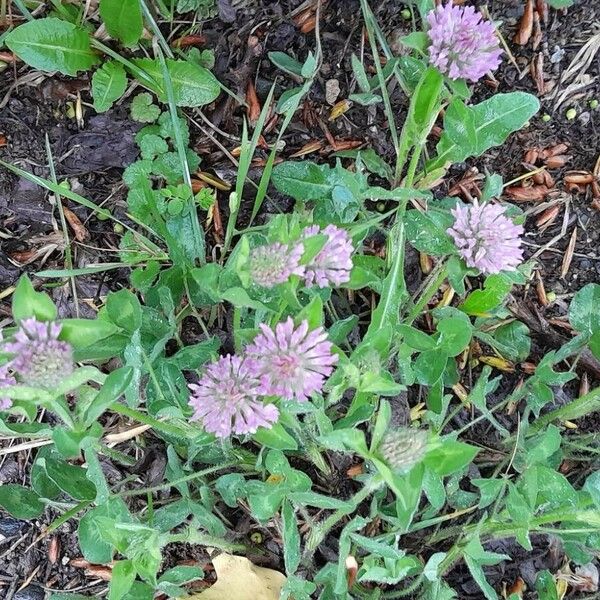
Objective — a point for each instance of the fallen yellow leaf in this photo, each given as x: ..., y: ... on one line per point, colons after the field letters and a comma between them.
x: 239, y: 579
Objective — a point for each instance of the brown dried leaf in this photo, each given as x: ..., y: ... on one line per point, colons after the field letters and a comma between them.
x: 53, y: 550
x: 547, y: 217
x: 525, y: 25
x: 253, y: 110
x: 238, y: 578
x: 554, y: 150
x: 81, y: 233
x: 541, y: 290
x: 308, y: 148
x: 537, y: 31
x: 189, y: 40
x: 568, y: 257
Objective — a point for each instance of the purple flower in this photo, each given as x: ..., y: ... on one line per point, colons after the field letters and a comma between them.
x: 41, y: 359
x: 486, y: 238
x: 333, y: 263
x: 6, y: 380
x: 291, y: 363
x: 226, y: 401
x: 463, y: 44
x: 273, y: 264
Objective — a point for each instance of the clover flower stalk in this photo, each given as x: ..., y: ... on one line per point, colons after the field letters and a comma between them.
x: 6, y: 380
x: 486, y: 238
x: 291, y: 362
x: 333, y: 263
x: 463, y: 44
x: 40, y: 358
x: 226, y: 399
x: 275, y: 263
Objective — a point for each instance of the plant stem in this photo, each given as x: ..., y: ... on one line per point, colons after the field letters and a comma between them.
x: 176, y: 482
x: 193, y: 537
x: 437, y: 278
x: 320, y: 531
x: 146, y: 419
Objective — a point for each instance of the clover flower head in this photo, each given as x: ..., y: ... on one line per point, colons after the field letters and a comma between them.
x: 41, y: 359
x: 6, y: 380
x: 333, y: 263
x: 463, y: 44
x: 291, y: 362
x: 226, y: 400
x: 404, y: 448
x: 486, y: 238
x: 275, y: 263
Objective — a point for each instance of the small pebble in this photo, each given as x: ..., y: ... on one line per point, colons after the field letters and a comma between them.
x: 546, y: 117
x: 10, y: 527
x: 594, y: 104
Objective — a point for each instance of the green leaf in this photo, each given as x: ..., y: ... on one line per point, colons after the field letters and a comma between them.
x: 192, y: 85
x: 360, y: 74
x: 276, y: 437
x: 584, y: 315
x: 123, y: 576
x: 455, y: 335
x: 144, y: 110
x: 489, y: 489
x: 70, y: 479
x: 481, y: 302
x: 26, y: 302
x: 124, y: 310
x: 450, y: 457
x: 514, y: 341
x: 181, y: 575
x: 52, y: 45
x: 427, y: 235
x: 493, y: 120
x: 20, y: 502
x: 193, y: 357
x: 545, y: 585
x: 115, y: 384
x: 95, y: 549
x: 109, y: 83
x: 82, y: 333
x: 286, y: 63
x: 560, y: 4
x: 291, y: 538
x: 123, y: 20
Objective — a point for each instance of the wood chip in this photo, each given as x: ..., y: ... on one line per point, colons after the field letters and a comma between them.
x: 308, y: 148
x: 525, y: 29
x: 535, y: 193
x: 556, y: 161
x: 579, y: 177
x: 566, y: 264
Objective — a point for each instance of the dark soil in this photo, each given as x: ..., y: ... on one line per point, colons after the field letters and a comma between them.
x: 92, y: 155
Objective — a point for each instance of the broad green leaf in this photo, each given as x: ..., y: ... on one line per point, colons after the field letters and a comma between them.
x: 493, y: 120
x: 91, y: 542
x: 481, y: 302
x: 108, y: 85
x: 123, y: 576
x: 123, y: 20
x: 26, y: 302
x: 455, y: 335
x: 275, y: 437
x: 286, y: 63
x: 124, y: 310
x: 51, y: 44
x: 561, y: 3
x: 545, y: 584
x: 70, y: 479
x: 592, y: 487
x: 427, y: 235
x: 20, y: 502
x: 81, y: 333
x: 192, y: 85
x: 450, y: 457
x: 583, y: 311
x: 514, y: 340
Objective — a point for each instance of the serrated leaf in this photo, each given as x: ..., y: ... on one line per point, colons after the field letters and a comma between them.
x: 51, y: 44
x: 108, y: 85
x: 123, y: 19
